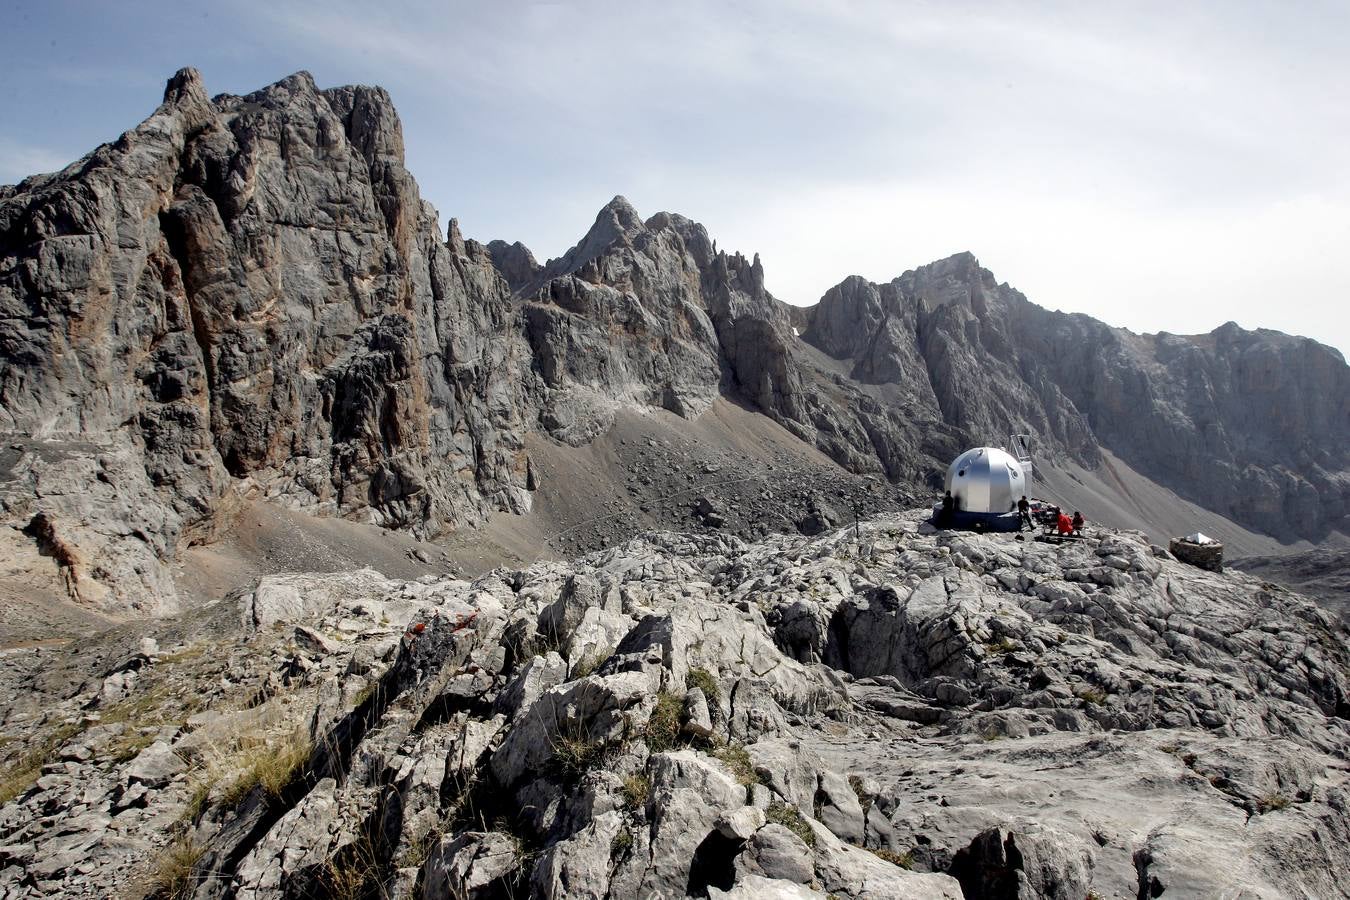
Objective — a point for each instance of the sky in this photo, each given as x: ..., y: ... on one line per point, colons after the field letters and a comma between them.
x: 1160, y: 166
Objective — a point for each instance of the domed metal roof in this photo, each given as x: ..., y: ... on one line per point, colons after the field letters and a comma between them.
x: 986, y: 480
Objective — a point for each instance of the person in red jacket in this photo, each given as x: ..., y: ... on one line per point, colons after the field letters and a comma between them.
x: 1064, y: 524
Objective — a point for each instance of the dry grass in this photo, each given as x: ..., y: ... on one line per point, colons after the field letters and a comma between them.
x: 903, y: 860
x: 190, y: 652
x: 270, y: 767
x: 662, y: 732
x: 348, y: 874
x: 636, y: 789
x: 198, y: 800
x: 172, y: 878
x: 144, y: 715
x: 18, y: 777
x: 365, y: 693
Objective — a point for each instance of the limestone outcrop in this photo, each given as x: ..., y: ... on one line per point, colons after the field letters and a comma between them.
x: 899, y: 713
x: 243, y: 296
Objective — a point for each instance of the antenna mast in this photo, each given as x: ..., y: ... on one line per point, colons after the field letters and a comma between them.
x: 1020, y: 446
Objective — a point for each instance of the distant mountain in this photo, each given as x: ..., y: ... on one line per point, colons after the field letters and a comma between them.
x: 1252, y: 424
x: 246, y: 299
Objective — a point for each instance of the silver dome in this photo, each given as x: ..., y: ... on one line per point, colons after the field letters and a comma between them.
x: 986, y: 480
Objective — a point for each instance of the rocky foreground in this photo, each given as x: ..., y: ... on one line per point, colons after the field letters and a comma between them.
x: 887, y: 713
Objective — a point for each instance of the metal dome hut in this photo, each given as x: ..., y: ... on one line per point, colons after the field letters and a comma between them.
x: 986, y: 483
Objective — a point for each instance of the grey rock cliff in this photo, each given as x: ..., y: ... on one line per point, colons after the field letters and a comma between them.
x: 1254, y: 425
x: 245, y: 295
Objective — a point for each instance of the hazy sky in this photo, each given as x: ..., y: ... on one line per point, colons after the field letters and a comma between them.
x: 1160, y: 166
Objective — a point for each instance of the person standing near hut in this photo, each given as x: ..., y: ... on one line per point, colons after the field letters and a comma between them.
x: 948, y: 508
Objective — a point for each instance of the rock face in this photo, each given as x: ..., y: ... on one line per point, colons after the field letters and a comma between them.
x: 245, y: 297
x: 900, y: 714
x: 1323, y: 574
x: 1254, y: 425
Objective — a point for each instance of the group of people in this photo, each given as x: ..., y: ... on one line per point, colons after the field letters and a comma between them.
x: 1054, y: 518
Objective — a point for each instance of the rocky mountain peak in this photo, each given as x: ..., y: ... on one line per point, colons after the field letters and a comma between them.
x: 185, y: 86
x: 516, y: 263
x: 617, y: 222
x: 278, y: 314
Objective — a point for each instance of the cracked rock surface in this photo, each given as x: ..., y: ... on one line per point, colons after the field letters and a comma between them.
x: 903, y: 713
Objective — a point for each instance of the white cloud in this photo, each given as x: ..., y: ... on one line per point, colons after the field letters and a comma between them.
x: 1160, y: 167
x: 19, y: 160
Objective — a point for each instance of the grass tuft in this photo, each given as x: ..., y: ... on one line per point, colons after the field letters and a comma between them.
x: 575, y: 755
x: 855, y: 782
x: 622, y: 843
x: 270, y: 767
x: 197, y: 801
x: 736, y: 758
x: 172, y: 878
x: 903, y: 860
x: 707, y: 683
x: 636, y: 789
x: 588, y: 664
x: 662, y: 732
x: 780, y: 813
x: 350, y: 873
